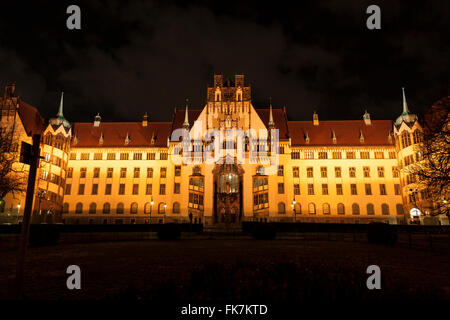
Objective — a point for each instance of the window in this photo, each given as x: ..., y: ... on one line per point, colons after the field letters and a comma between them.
x: 106, y: 207
x: 65, y: 208
x: 73, y: 156
x: 379, y: 155
x: 119, y: 208
x: 350, y: 155
x: 161, y: 207
x: 406, y: 139
x: 96, y: 172
x: 397, y: 189
x: 137, y: 172
x: 281, y: 208
x: 295, y: 172
x: 176, y: 188
x: 108, y: 188
x: 137, y: 156
x: 399, y: 208
x: 134, y: 208
x: 310, y: 188
x: 163, y: 156
x: 309, y: 172
x: 92, y: 208
x: 81, y: 188
x: 337, y: 155
x: 353, y: 189
x: 177, y: 171
x: 162, y: 188
x: 123, y: 172
x: 69, y: 172
x: 296, y: 189
x: 370, y: 209
x: 109, y: 173
x: 122, y: 188
x: 162, y: 172
x: 198, y: 171
x: 83, y: 173
x: 311, y: 208
x: 337, y: 172
x: 309, y: 155
x: 98, y: 156
x: 366, y: 171
x: 111, y: 156
x: 68, y: 188
x: 384, y: 209
x: 340, y: 208
x: 382, y: 189
x: 323, y: 172
x: 326, y: 208
x: 355, y: 209
x: 280, y: 171
x: 352, y: 172
x: 381, y: 172
x: 281, y: 188
x: 148, y: 207
x: 395, y: 172
x: 95, y: 188
x: 323, y: 155
x: 135, y: 188
x: 176, y: 207
x: 392, y: 155
x: 339, y: 189
x: 79, y: 208
x: 325, y: 189
x: 295, y: 155
x: 368, y: 188
x: 151, y: 156
x: 124, y: 156
x: 364, y: 155
x: 85, y: 156
x: 149, y: 172
x: 417, y: 136
x: 148, y: 188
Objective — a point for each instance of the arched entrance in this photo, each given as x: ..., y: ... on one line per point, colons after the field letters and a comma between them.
x: 227, y: 193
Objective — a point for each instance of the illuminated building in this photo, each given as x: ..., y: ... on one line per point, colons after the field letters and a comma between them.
x: 346, y: 171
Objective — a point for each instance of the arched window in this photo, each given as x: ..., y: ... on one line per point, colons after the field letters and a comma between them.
x: 176, y: 207
x: 65, y: 208
x: 298, y: 208
x: 162, y: 207
x: 341, y: 208
x: 281, y: 207
x: 134, y: 207
x: 399, y: 208
x: 370, y: 208
x: 385, y: 209
x: 79, y: 208
x: 119, y: 208
x: 326, y: 208
x: 106, y: 207
x: 228, y: 179
x: 148, y: 207
x: 355, y: 209
x: 311, y: 208
x: 197, y: 171
x: 260, y: 170
x: 92, y: 208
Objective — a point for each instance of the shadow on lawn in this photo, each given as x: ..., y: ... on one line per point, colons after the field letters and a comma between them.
x: 274, y: 282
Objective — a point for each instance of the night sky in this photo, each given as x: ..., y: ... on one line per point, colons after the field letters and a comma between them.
x: 129, y: 58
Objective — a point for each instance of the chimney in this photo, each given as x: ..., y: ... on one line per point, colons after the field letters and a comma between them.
x: 97, y: 120
x: 145, y: 120
x: 366, y: 118
x: 315, y: 119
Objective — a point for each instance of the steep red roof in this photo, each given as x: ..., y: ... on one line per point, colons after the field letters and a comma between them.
x: 115, y: 133
x: 33, y: 122
x: 279, y: 117
x: 347, y: 132
x: 179, y: 114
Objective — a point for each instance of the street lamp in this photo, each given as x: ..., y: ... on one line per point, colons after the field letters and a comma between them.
x: 151, y: 209
x: 165, y: 206
x: 18, y: 213
x: 293, y: 208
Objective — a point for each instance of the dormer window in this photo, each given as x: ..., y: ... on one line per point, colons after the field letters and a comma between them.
x: 218, y: 95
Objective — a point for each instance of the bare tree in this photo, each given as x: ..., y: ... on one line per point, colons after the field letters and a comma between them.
x: 12, y: 172
x: 433, y: 171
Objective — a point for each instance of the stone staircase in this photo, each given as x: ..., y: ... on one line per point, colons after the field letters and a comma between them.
x: 223, y: 228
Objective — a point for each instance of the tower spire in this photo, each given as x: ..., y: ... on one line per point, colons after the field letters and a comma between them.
x: 405, y: 105
x: 186, y: 117
x: 61, y: 102
x: 271, y: 123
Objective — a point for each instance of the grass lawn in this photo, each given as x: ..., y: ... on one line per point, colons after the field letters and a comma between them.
x: 224, y: 269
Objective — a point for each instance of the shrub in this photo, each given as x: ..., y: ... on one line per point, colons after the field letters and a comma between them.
x: 43, y: 234
x: 169, y: 232
x: 379, y: 232
x: 263, y: 231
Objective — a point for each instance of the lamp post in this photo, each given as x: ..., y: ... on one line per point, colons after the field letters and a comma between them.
x: 293, y: 208
x: 41, y: 195
x: 165, y: 206
x: 151, y: 209
x: 18, y: 213
x: 412, y: 194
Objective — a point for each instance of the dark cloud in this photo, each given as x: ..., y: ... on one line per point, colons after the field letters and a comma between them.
x: 149, y: 56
